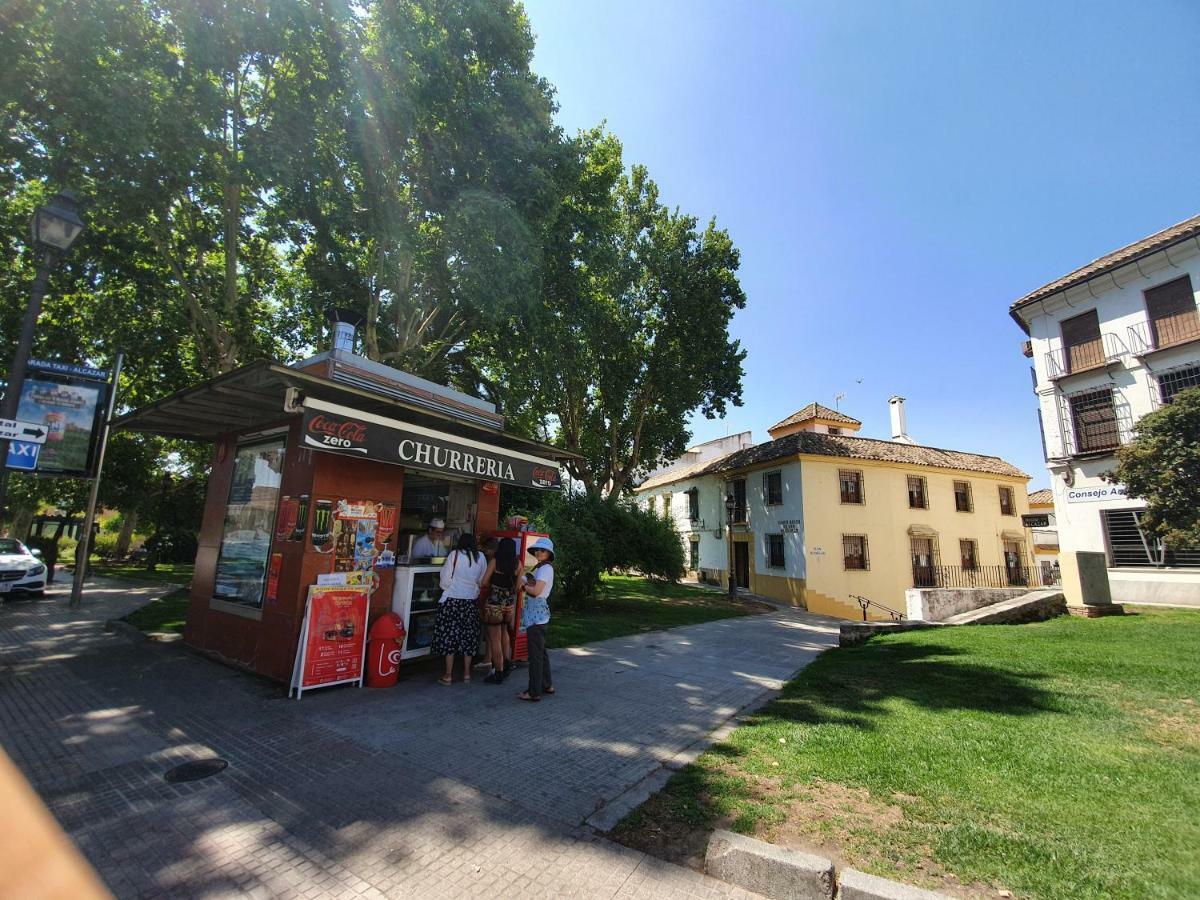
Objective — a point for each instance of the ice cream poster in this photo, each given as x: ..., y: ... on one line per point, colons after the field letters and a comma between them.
x: 68, y: 412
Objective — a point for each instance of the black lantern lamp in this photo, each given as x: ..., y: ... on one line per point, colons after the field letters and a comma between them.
x: 56, y: 225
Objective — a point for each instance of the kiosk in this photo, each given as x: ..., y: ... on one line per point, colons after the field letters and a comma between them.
x: 331, y: 466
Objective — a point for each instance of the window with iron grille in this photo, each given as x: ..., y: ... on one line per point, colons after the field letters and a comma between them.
x: 1173, y: 381
x: 694, y: 555
x: 962, y: 496
x: 968, y: 551
x: 739, y: 500
x: 854, y: 551
x: 851, y: 482
x: 775, y: 551
x: 693, y: 505
x: 917, y: 498
x: 1094, y: 420
x: 773, y: 488
x: 1007, y: 506
x: 1172, y: 311
x: 833, y: 430
x: 1083, y: 347
x: 1128, y: 544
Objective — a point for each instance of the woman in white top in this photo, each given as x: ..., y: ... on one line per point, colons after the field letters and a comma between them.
x: 456, y: 630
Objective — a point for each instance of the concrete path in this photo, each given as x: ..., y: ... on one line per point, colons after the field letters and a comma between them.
x: 421, y: 790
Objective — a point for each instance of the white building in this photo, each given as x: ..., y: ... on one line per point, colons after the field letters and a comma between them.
x: 1110, y: 342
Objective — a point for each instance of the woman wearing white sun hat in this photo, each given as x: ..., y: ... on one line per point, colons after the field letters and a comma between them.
x: 535, y: 615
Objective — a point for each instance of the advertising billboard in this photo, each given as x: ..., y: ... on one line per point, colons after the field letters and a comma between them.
x: 69, y: 401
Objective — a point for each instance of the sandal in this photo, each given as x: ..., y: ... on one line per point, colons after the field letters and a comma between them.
x: 525, y: 695
x: 548, y: 690
x: 446, y: 680
x: 467, y: 678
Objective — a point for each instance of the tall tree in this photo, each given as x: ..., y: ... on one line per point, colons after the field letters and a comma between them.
x: 632, y: 332
x: 433, y: 171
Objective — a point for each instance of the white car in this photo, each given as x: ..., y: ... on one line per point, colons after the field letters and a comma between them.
x: 20, y: 569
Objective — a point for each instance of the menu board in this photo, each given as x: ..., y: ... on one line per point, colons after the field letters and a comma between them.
x: 333, y: 638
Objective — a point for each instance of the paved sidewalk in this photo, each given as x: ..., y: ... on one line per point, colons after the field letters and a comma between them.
x: 421, y: 790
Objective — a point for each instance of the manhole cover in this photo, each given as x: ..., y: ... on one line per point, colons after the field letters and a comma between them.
x: 194, y: 771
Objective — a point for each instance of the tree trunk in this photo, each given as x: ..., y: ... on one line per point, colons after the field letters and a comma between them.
x: 21, y: 520
x: 128, y: 525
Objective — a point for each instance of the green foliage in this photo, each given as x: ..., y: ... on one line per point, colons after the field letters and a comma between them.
x: 632, y: 332
x: 1162, y: 466
x: 592, y: 536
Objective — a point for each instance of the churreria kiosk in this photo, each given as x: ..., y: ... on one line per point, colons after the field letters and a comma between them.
x: 327, y: 470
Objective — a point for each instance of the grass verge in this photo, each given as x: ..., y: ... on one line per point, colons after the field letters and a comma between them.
x: 171, y: 573
x: 1057, y: 759
x: 630, y: 605
x: 166, y: 614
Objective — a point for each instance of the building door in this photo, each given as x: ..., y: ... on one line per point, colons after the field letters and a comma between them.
x: 924, y: 574
x: 1012, y: 563
x: 741, y: 563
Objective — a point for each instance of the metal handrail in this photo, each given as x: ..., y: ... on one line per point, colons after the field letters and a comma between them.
x: 864, y: 603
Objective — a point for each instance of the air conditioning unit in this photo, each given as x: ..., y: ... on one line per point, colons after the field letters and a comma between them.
x: 1027, y: 349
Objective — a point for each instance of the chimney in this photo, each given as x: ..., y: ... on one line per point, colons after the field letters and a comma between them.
x: 343, y: 323
x: 899, y: 425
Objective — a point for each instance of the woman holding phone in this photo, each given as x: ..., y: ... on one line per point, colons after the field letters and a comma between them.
x: 535, y: 616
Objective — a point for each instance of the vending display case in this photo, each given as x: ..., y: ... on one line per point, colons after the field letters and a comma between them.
x: 415, y: 600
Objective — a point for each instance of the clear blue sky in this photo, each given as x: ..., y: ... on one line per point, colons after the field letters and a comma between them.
x: 895, y: 174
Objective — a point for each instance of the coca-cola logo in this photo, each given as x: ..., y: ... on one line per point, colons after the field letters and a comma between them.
x: 340, y: 434
x: 545, y: 476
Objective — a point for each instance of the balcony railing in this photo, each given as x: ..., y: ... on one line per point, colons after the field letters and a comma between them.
x: 982, y: 576
x: 1167, y: 331
x: 1085, y: 357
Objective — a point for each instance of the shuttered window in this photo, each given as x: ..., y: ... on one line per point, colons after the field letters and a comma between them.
x: 962, y: 496
x: 1081, y: 339
x: 1094, y: 419
x: 854, y: 551
x: 775, y: 551
x: 851, y: 484
x: 1173, y: 381
x: 1007, y: 506
x: 917, y: 498
x: 1172, y: 310
x: 773, y: 488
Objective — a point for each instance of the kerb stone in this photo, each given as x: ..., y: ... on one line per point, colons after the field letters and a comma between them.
x: 765, y: 869
x: 856, y: 885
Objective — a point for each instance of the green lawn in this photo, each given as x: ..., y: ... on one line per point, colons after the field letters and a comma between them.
x: 172, y: 573
x: 1058, y: 759
x: 167, y: 613
x: 629, y: 605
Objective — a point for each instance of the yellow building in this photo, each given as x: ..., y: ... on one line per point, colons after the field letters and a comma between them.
x: 823, y: 517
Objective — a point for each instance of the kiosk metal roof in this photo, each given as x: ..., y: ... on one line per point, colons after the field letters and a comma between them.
x: 253, y: 397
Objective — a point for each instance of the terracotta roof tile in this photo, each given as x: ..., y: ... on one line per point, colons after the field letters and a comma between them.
x: 1045, y: 495
x: 1173, y: 235
x: 677, y: 474
x: 815, y: 411
x: 863, y: 448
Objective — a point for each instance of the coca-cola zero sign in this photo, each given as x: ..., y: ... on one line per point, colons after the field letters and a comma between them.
x: 425, y: 450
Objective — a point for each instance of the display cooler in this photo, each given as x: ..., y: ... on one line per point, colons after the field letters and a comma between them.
x: 524, y: 539
x: 415, y: 600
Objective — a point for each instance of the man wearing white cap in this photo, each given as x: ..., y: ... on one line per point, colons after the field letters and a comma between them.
x: 433, y: 542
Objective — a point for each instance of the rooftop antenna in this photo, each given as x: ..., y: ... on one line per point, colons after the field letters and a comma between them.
x: 838, y: 399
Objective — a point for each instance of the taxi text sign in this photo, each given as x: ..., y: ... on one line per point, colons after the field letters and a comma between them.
x: 333, y: 638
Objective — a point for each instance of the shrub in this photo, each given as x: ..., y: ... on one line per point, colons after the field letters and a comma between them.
x: 104, y: 544
x: 592, y: 536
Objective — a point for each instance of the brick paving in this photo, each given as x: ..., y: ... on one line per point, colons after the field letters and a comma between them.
x: 417, y: 791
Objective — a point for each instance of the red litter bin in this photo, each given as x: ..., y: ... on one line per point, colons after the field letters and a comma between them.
x: 383, y: 650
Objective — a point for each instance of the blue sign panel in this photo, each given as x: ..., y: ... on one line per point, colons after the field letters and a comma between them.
x: 22, y: 456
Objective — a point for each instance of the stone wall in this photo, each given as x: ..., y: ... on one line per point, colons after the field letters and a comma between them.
x: 939, y: 604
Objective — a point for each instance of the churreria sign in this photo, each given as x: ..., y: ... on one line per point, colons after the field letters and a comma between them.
x: 424, y: 450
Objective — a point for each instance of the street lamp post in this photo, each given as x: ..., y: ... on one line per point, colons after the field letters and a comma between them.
x: 730, y: 503
x: 54, y: 228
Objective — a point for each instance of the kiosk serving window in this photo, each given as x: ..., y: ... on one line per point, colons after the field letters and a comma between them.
x: 249, y: 522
